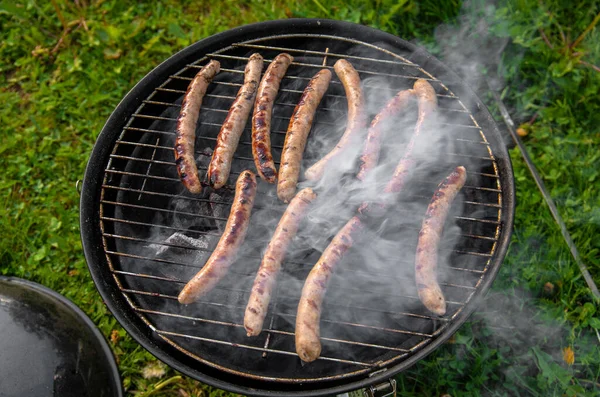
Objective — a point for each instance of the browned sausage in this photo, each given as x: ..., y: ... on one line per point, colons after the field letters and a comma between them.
x: 426, y: 259
x: 231, y: 130
x: 427, y: 102
x: 260, y: 296
x: 356, y: 118
x: 308, y: 344
x: 298, y: 129
x: 370, y: 155
x: 186, y: 127
x: 230, y: 242
x: 261, y: 120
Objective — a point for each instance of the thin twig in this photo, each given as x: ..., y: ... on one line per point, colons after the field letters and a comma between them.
x: 595, y: 384
x: 546, y: 39
x: 586, y: 31
x: 533, y: 118
x: 60, y: 40
x: 59, y: 14
x: 596, y: 68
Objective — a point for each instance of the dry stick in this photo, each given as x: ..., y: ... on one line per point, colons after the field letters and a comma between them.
x: 540, y: 184
x: 586, y: 31
x: 596, y: 68
x: 59, y: 14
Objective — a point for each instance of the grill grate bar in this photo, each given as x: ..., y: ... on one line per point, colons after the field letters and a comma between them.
x: 106, y: 218
x: 462, y: 269
x: 367, y: 309
x: 262, y: 349
x: 146, y: 207
x: 150, y: 161
x: 400, y: 331
x: 208, y: 138
x: 320, y: 109
x: 172, y: 163
x: 229, y: 202
x: 274, y: 331
x: 162, y: 178
x: 142, y: 275
x: 142, y: 240
x: 179, y: 281
x: 287, y: 262
x: 141, y: 257
x: 322, y: 53
x: 484, y: 204
x: 375, y: 87
x: 200, y: 153
x: 148, y: 116
x: 150, y: 192
x: 312, y: 65
x: 238, y: 307
x: 222, y: 219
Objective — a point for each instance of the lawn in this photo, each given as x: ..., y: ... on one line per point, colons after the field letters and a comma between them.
x: 65, y: 65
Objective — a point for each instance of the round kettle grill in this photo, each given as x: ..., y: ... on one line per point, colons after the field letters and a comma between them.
x: 134, y: 210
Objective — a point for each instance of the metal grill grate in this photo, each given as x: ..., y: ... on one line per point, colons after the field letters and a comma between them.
x: 156, y: 235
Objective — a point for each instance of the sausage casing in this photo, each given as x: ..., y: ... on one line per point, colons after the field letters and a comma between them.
x: 186, y: 127
x: 231, y: 240
x: 426, y: 258
x: 297, y: 133
x: 308, y: 343
x: 370, y: 155
x: 427, y: 103
x: 260, y: 295
x: 231, y: 130
x: 356, y: 118
x: 261, y: 119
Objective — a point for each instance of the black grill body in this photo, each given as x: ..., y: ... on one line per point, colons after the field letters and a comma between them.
x: 144, y: 236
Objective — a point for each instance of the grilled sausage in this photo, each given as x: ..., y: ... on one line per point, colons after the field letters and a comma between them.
x: 298, y: 129
x: 430, y: 292
x: 308, y: 344
x: 427, y: 102
x: 261, y: 120
x: 356, y: 118
x: 186, y: 127
x: 230, y: 242
x: 370, y: 155
x: 231, y: 130
x: 260, y: 296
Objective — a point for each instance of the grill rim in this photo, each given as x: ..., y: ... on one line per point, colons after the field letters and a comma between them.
x: 91, y: 234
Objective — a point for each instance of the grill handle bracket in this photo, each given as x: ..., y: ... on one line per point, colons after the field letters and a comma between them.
x: 384, y: 389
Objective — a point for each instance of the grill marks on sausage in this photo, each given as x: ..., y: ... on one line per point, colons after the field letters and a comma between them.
x: 356, y: 118
x: 186, y: 127
x: 261, y: 119
x: 370, y: 155
x: 426, y: 258
x: 297, y: 134
x: 308, y: 343
x: 223, y: 256
x: 270, y: 266
x: 233, y: 126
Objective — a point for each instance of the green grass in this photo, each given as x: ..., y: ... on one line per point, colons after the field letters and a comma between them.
x: 63, y: 71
